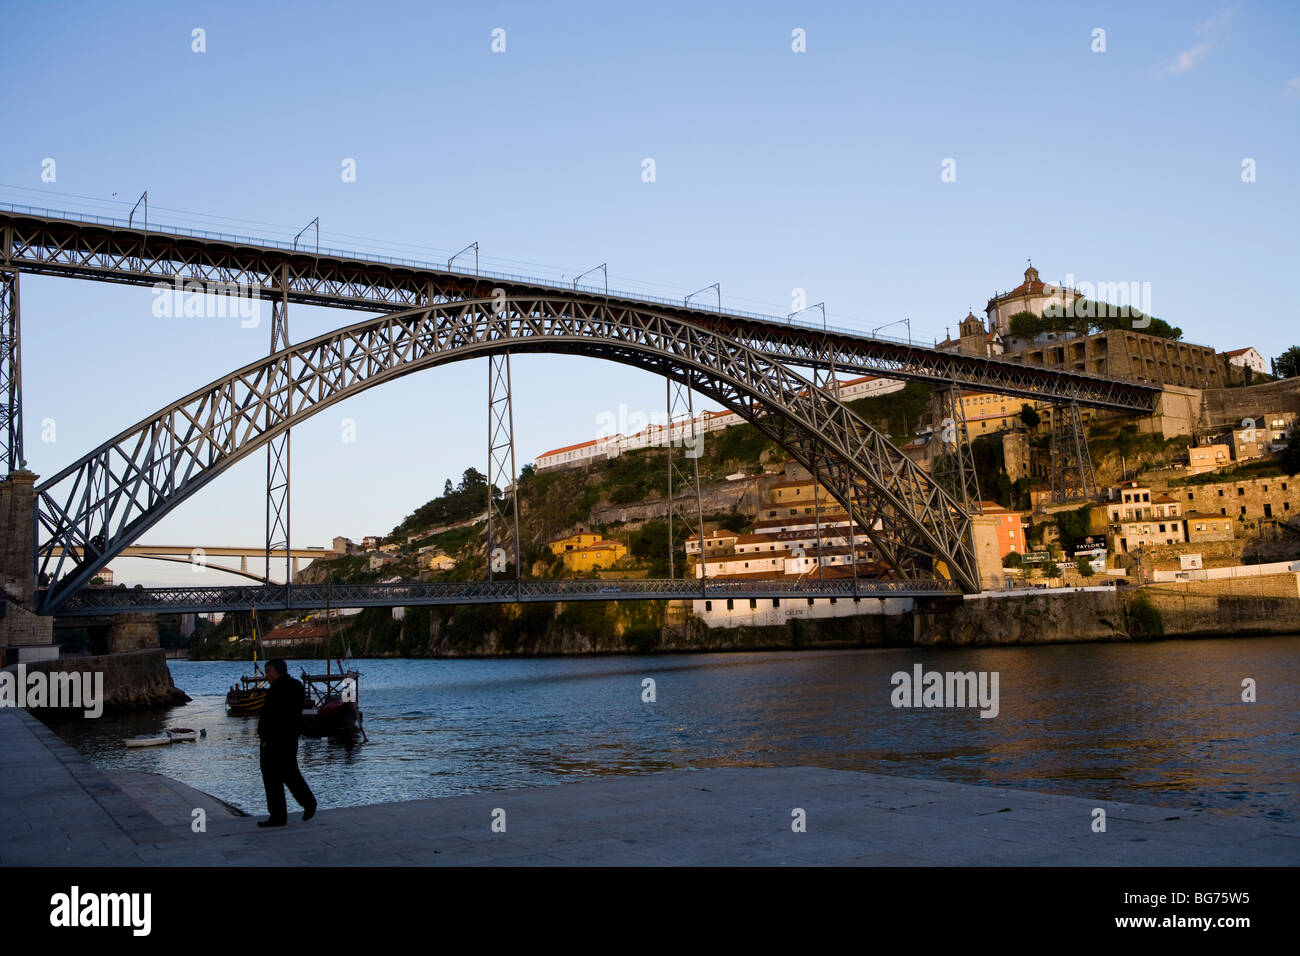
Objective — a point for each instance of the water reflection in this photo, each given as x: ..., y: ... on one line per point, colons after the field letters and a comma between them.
x: 1155, y: 723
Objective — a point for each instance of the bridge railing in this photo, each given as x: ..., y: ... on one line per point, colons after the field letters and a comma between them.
x: 94, y: 600
x: 162, y: 229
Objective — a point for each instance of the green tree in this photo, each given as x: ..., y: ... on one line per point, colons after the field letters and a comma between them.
x: 1028, y: 417
x: 1012, y: 560
x: 1051, y: 569
x: 1287, y: 365
x: 1083, y: 566
x: 1291, y: 455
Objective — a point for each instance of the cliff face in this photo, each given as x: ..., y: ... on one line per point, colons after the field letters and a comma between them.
x: 649, y: 627
x: 1028, y: 619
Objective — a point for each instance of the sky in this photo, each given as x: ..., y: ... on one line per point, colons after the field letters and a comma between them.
x: 905, y: 164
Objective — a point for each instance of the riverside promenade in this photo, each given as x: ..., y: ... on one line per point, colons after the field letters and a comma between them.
x: 58, y: 809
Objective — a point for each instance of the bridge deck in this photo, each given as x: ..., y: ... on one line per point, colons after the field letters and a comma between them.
x: 98, y: 601
x: 54, y: 242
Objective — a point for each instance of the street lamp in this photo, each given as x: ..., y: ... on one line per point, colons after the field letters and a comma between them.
x: 907, y: 321
x: 602, y: 268
x: 472, y: 245
x: 716, y: 287
x: 819, y: 305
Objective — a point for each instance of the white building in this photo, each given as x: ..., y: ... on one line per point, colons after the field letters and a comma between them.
x: 661, y: 435
x: 1247, y: 358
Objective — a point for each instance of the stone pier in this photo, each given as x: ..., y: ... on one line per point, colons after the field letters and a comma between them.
x: 23, y: 634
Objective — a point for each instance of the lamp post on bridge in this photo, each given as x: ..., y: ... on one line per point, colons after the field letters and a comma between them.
x: 717, y: 287
x: 906, y: 321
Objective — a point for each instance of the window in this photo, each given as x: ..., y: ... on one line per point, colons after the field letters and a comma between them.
x: 810, y: 602
x: 731, y: 604
x: 776, y: 602
x: 1240, y: 492
x: 708, y: 605
x: 1189, y: 496
x: 832, y: 600
x: 1220, y: 492
x: 753, y: 604
x: 1243, y: 511
x: 1162, y: 528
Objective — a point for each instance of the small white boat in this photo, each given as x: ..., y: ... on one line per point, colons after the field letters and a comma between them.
x: 182, y: 733
x: 148, y: 740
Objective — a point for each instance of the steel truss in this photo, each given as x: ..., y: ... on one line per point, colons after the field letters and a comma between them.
x: 681, y: 413
x: 11, y: 373
x: 954, y: 467
x: 108, y: 498
x: 503, y: 514
x: 115, y: 253
x: 1071, y: 462
x: 277, y: 451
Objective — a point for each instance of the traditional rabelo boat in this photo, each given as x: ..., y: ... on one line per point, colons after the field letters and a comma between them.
x: 331, y: 708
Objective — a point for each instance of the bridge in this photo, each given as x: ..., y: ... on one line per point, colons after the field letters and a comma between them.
x: 97, y: 602
x: 198, y: 556
x: 97, y: 506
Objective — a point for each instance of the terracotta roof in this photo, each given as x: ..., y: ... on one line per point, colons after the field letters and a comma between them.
x: 581, y: 444
x: 1164, y: 500
x: 1248, y: 348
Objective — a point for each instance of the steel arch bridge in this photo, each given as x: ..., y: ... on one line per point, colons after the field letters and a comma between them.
x: 98, y: 505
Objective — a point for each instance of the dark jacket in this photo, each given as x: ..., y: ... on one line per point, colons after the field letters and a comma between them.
x: 278, y: 723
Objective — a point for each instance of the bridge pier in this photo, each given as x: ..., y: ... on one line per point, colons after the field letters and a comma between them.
x: 19, y: 626
x: 125, y: 632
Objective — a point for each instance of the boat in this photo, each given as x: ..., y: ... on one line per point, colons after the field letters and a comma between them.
x: 182, y: 733
x: 148, y: 740
x: 245, y: 698
x: 330, y: 707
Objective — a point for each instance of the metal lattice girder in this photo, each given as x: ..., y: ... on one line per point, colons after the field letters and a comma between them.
x: 11, y: 373
x: 107, y: 499
x: 685, y: 502
x: 93, y: 602
x: 954, y: 467
x: 277, y: 452
x: 113, y: 252
x: 502, y: 518
x: 1071, y: 462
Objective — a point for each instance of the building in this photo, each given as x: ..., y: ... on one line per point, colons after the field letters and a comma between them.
x: 987, y: 413
x: 1132, y: 355
x: 1203, y: 458
x: 1139, y: 519
x: 296, y: 635
x: 1262, y: 435
x: 342, y: 545
x: 658, y: 434
x: 370, y: 542
x: 997, y: 533
x: 104, y: 576
x: 1032, y: 295
x: 594, y: 556
x: 1251, y: 499
x: 573, y: 542
x: 378, y: 561
x: 1246, y: 358
x: 972, y: 339
x: 438, y: 561
x: 1211, y: 527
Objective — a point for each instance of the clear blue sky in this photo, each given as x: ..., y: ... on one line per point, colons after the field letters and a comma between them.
x: 775, y: 170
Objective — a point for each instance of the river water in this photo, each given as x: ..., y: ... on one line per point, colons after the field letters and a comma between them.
x: 1160, y: 723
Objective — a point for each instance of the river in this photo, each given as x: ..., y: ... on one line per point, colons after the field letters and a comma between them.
x: 1160, y: 723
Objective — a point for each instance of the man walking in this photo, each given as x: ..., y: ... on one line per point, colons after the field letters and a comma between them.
x: 278, y: 729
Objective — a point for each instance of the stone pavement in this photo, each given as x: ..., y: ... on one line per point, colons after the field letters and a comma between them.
x: 59, y: 809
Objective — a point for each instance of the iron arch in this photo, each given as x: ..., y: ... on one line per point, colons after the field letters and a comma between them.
x: 107, y: 499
